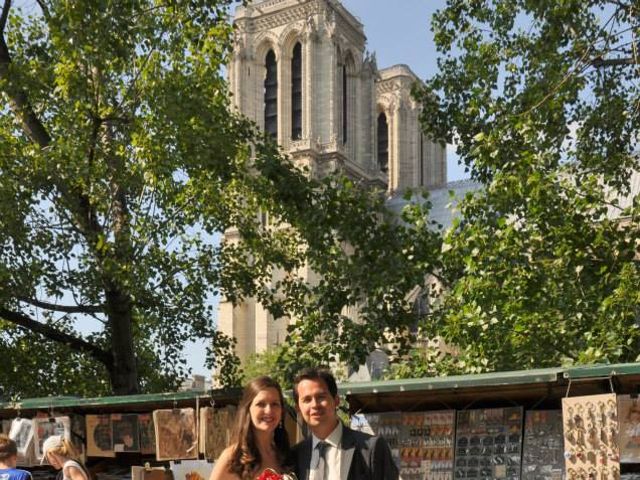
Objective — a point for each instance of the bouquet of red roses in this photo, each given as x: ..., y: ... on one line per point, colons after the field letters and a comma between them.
x: 271, y: 474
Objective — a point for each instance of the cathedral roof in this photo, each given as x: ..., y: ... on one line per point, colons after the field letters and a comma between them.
x: 399, y: 70
x: 444, y: 200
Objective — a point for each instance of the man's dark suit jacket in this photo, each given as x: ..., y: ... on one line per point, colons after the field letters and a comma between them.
x: 371, y: 457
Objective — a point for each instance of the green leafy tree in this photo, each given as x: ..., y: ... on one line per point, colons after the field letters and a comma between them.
x: 542, y: 99
x: 121, y: 162
x: 115, y: 126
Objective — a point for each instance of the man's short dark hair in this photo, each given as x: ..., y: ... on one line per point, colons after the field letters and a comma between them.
x: 8, y: 447
x: 315, y: 373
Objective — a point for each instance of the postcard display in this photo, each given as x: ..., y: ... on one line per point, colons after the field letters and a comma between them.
x: 542, y: 452
x: 489, y: 443
x: 421, y: 442
x: 426, y: 446
x: 590, y: 425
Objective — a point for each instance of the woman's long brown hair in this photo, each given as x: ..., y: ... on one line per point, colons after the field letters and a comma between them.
x: 245, y: 459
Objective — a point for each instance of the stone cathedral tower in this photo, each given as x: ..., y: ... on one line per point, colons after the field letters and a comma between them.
x: 300, y: 71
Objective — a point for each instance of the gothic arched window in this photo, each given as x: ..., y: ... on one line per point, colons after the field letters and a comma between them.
x: 296, y: 92
x: 271, y: 95
x: 344, y: 104
x: 383, y: 142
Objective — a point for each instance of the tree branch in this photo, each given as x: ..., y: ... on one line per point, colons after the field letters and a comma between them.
x: 4, y: 15
x: 62, y: 308
x: 44, y: 8
x: 613, y: 62
x: 55, y: 335
x: 19, y: 101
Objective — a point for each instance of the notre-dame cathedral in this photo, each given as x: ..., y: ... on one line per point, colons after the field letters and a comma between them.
x: 300, y: 70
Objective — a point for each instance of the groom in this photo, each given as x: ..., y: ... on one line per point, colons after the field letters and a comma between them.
x: 334, y: 451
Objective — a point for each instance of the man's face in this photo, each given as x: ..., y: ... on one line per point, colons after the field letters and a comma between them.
x: 317, y: 406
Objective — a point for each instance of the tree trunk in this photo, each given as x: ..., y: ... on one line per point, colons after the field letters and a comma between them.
x: 124, y: 375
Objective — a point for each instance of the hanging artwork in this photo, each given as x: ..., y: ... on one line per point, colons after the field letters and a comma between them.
x: 147, y: 434
x: 176, y: 436
x: 629, y: 418
x: 542, y: 457
x: 215, y: 430
x: 79, y: 435
x: 99, y: 436
x: 125, y: 432
x: 22, y: 433
x: 426, y: 445
x: 150, y: 473
x: 590, y: 425
x: 6, y: 426
x: 191, y: 470
x: 46, y: 427
x: 489, y: 443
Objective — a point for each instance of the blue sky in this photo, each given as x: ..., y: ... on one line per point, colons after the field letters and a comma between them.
x: 398, y: 32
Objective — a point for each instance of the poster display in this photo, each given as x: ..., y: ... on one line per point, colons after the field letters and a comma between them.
x: 590, y: 428
x: 489, y: 443
x: 46, y: 427
x: 79, y: 435
x: 215, y: 430
x: 147, y: 434
x: 176, y: 436
x: 99, y: 436
x: 542, y: 455
x: 426, y: 445
x: 629, y: 419
x: 22, y: 433
x: 126, y: 437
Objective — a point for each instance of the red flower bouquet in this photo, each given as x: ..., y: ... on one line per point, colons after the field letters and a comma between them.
x: 271, y: 474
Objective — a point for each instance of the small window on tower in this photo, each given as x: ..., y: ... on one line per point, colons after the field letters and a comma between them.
x: 383, y: 143
x: 296, y: 92
x: 344, y: 103
x: 271, y: 95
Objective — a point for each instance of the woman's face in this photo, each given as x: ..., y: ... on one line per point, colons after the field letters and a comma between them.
x: 266, y: 410
x: 55, y: 460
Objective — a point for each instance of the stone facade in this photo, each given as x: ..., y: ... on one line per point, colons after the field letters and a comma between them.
x: 351, y: 116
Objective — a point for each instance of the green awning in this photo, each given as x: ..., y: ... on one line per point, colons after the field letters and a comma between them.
x: 518, y: 377
x: 594, y: 371
x: 155, y: 400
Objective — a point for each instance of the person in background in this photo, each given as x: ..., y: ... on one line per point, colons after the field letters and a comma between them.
x: 334, y: 451
x: 259, y: 441
x: 61, y: 455
x: 9, y: 459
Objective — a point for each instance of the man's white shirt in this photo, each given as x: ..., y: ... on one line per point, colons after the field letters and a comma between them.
x: 336, y: 462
